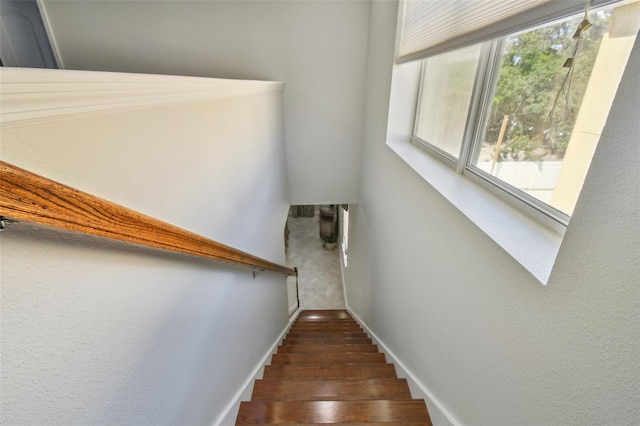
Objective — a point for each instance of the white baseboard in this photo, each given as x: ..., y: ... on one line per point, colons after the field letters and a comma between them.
x: 230, y: 413
x: 418, y: 389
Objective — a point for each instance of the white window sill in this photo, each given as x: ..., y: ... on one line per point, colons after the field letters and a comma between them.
x: 534, y: 245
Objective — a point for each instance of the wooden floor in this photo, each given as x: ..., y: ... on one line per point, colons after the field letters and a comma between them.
x: 327, y: 371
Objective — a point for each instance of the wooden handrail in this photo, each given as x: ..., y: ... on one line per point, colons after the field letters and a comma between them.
x: 25, y: 196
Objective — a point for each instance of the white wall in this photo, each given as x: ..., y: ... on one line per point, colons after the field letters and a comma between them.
x: 489, y: 342
x: 318, y: 48
x: 100, y: 332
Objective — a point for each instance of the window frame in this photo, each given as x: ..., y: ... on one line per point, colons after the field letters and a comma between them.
x: 486, y: 79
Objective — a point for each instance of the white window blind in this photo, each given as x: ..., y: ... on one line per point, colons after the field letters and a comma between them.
x: 430, y: 27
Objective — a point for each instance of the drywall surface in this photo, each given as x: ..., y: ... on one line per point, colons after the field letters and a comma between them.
x: 96, y: 332
x: 317, y: 48
x: 490, y: 343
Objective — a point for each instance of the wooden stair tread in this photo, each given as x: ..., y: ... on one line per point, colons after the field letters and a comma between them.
x: 326, y: 340
x: 287, y: 412
x: 328, y: 358
x: 329, y: 371
x: 325, y: 326
x: 346, y: 424
x: 324, y: 316
x: 320, y: 320
x: 328, y: 335
x: 319, y: 347
x: 308, y: 312
x: 326, y: 330
x: 320, y: 323
x: 313, y: 330
x: 330, y: 389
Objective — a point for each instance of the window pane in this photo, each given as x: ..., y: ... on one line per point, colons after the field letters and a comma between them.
x: 541, y: 135
x: 447, y: 86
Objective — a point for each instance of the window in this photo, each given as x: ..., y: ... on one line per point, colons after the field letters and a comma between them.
x: 522, y: 114
x: 447, y: 86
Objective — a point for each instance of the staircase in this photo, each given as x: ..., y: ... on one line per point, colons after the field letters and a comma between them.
x: 328, y: 371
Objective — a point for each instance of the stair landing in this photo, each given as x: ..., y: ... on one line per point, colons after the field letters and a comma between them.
x: 327, y: 371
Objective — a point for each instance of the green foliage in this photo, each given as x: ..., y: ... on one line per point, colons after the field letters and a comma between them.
x: 531, y: 75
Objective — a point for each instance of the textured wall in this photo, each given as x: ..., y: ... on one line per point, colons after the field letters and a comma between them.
x: 317, y: 48
x: 492, y: 344
x: 99, y: 332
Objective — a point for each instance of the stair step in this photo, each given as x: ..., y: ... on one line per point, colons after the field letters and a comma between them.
x: 327, y: 335
x: 326, y: 341
x: 326, y: 330
x: 334, y: 322
x: 319, y: 323
x: 330, y: 389
x: 287, y: 412
x: 325, y: 317
x: 326, y: 324
x: 330, y: 371
x: 320, y: 316
x: 344, y: 424
x: 328, y: 358
x: 316, y: 324
x: 327, y: 314
x: 323, y: 311
x: 327, y: 348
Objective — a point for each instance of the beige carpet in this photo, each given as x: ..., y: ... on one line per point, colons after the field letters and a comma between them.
x: 320, y: 278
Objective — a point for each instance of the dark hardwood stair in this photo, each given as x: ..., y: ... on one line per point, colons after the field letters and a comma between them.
x: 327, y: 358
x: 319, y: 347
x: 352, y: 334
x: 327, y: 371
x: 330, y: 389
x: 331, y: 340
x: 324, y: 314
x: 313, y: 412
x: 318, y: 328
